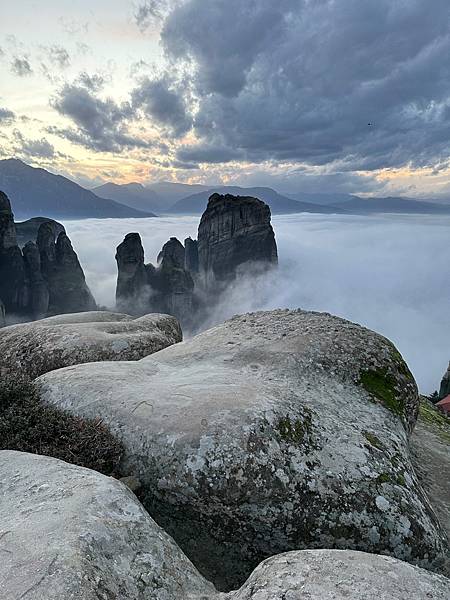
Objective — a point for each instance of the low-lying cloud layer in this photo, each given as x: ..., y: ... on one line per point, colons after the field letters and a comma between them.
x: 388, y: 273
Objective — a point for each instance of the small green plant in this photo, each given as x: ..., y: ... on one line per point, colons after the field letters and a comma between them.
x: 28, y: 425
x: 381, y: 385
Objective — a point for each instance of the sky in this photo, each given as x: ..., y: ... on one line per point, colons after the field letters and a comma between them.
x: 301, y: 95
x: 371, y: 270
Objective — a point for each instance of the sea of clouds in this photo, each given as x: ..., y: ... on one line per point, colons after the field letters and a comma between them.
x: 390, y: 273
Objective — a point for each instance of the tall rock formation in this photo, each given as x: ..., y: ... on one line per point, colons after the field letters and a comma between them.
x: 234, y: 231
x: 13, y: 288
x: 141, y: 288
x: 235, y: 237
x: 45, y: 278
x: 445, y: 384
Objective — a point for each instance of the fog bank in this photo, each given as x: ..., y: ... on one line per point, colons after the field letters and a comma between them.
x: 389, y: 273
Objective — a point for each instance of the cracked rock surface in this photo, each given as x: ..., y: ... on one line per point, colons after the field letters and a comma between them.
x: 32, y: 349
x: 276, y: 431
x: 70, y: 533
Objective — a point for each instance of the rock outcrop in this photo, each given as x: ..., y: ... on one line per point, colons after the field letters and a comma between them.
x: 27, y: 231
x: 167, y: 288
x: 32, y: 349
x: 340, y: 575
x: 275, y: 431
x: 13, y: 289
x: 68, y: 532
x: 45, y: 278
x: 235, y: 238
x: 445, y: 384
x: 234, y: 232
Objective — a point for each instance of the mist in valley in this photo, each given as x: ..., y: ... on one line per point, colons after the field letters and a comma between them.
x: 385, y: 272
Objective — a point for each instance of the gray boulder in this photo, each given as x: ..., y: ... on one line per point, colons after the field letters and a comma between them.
x: 31, y: 349
x: 275, y: 431
x: 340, y: 575
x: 68, y: 533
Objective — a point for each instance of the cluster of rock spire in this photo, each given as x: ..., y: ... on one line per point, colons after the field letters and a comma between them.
x: 235, y: 235
x: 44, y: 278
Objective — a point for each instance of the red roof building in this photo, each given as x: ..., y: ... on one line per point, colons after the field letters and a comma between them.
x: 444, y: 405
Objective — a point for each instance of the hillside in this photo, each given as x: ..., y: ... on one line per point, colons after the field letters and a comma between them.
x: 36, y: 192
x: 134, y: 195
x: 196, y: 203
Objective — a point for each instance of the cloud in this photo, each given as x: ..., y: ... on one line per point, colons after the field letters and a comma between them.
x: 149, y: 12
x: 100, y: 124
x: 6, y: 116
x: 93, y: 83
x: 58, y: 56
x: 40, y: 148
x: 356, y: 84
x: 21, y: 67
x: 371, y: 270
x: 161, y: 102
x: 208, y: 153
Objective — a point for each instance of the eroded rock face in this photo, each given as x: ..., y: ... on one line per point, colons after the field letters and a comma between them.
x: 44, y: 278
x: 27, y: 231
x: 234, y: 231
x: 68, y: 291
x: 235, y: 238
x: 340, y: 575
x: 167, y: 288
x: 31, y: 349
x: 272, y: 432
x: 68, y: 532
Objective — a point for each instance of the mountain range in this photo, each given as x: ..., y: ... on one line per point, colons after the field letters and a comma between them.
x: 36, y: 192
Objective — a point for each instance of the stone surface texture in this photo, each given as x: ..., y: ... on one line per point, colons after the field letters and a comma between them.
x: 31, y: 349
x: 275, y: 431
x: 68, y: 533
x: 234, y: 231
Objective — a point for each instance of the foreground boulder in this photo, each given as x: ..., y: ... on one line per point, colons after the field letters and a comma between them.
x: 71, y: 533
x: 340, y: 575
x: 275, y: 431
x: 31, y: 349
x: 68, y: 532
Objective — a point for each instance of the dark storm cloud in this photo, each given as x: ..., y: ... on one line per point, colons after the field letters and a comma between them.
x: 99, y: 124
x: 162, y: 103
x: 361, y: 84
x: 21, y: 66
x: 208, y: 154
